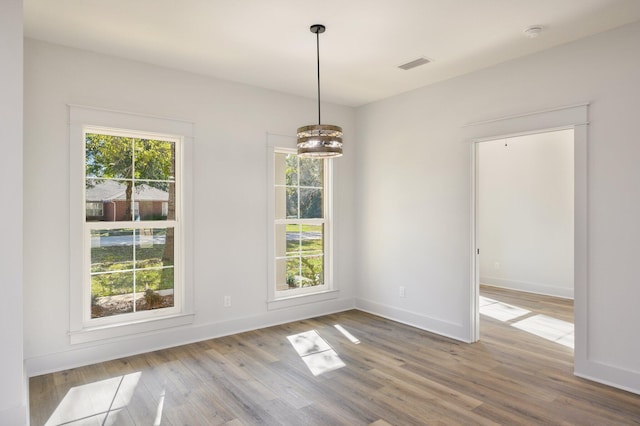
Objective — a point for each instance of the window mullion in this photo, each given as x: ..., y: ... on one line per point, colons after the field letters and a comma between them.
x: 133, y: 218
x: 135, y: 231
x: 299, y: 253
x: 160, y: 224
x: 133, y: 181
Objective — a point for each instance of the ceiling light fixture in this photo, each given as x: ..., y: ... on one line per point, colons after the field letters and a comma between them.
x: 319, y: 140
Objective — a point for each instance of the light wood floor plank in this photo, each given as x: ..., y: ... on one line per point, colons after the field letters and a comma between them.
x: 393, y: 375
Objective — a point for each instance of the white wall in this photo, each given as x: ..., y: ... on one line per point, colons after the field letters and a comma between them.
x: 525, y: 196
x: 13, y: 400
x: 414, y: 192
x: 413, y: 199
x: 229, y: 195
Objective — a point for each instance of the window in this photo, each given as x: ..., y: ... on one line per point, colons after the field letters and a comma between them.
x: 133, y: 165
x: 94, y: 209
x: 301, y: 226
x: 130, y: 261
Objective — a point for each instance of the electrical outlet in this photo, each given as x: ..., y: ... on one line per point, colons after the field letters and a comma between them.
x: 496, y: 265
x: 227, y: 301
x: 402, y: 294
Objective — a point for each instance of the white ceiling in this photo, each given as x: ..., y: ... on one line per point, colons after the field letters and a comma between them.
x: 267, y: 43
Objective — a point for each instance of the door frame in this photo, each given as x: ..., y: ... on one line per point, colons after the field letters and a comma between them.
x: 562, y: 118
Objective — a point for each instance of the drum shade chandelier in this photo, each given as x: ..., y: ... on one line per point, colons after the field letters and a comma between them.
x: 319, y: 140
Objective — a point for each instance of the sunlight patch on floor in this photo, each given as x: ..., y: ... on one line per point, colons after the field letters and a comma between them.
x: 346, y: 334
x: 95, y: 402
x: 316, y: 353
x: 159, y: 409
x: 544, y: 326
x: 548, y: 328
x: 500, y: 311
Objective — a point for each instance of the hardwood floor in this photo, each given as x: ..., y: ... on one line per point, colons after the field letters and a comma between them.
x: 392, y: 375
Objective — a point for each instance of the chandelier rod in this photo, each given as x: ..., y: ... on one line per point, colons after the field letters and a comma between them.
x: 318, y: 61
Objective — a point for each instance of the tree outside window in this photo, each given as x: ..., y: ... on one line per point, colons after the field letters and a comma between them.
x: 300, y: 222
x: 131, y: 260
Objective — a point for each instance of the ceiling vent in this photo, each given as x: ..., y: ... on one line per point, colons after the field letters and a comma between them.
x: 414, y: 63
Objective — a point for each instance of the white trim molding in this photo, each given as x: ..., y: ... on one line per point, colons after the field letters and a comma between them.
x: 81, y: 355
x: 413, y: 319
x: 574, y: 117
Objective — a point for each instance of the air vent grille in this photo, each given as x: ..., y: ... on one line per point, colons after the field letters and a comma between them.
x: 414, y: 63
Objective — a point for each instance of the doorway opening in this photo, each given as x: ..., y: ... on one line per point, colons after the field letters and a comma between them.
x: 525, y: 192
x: 525, y: 234
x: 573, y: 117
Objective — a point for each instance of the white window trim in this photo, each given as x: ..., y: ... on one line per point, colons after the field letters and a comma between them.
x: 290, y: 298
x: 80, y: 331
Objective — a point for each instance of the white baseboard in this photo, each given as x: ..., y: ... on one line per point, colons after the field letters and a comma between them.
x: 423, y: 322
x: 529, y: 287
x: 91, y: 354
x: 81, y: 355
x: 608, y: 375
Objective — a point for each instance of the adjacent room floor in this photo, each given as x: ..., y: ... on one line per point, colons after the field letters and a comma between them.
x: 350, y: 368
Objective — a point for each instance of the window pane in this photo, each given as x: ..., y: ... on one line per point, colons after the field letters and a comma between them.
x: 111, y: 294
x: 288, y: 274
x: 151, y: 197
x: 311, y: 172
x: 293, y: 273
x: 292, y: 170
x: 108, y: 156
x: 154, y: 268
x: 293, y: 240
x: 311, y: 237
x: 111, y: 250
x: 311, y: 206
x: 112, y: 195
x: 292, y: 203
x: 312, y: 270
x: 155, y: 287
x: 154, y: 247
x: 154, y: 160
x: 169, y: 207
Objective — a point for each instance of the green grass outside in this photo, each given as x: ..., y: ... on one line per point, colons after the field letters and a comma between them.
x: 122, y: 282
x: 151, y: 271
x: 306, y: 246
x: 115, y: 258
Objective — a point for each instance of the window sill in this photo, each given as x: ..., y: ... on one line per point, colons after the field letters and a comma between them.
x: 301, y: 299
x: 92, y: 334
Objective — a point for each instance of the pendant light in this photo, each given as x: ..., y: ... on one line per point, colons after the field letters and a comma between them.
x: 319, y: 140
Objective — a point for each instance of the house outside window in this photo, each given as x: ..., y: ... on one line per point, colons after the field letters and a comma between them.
x: 131, y: 265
